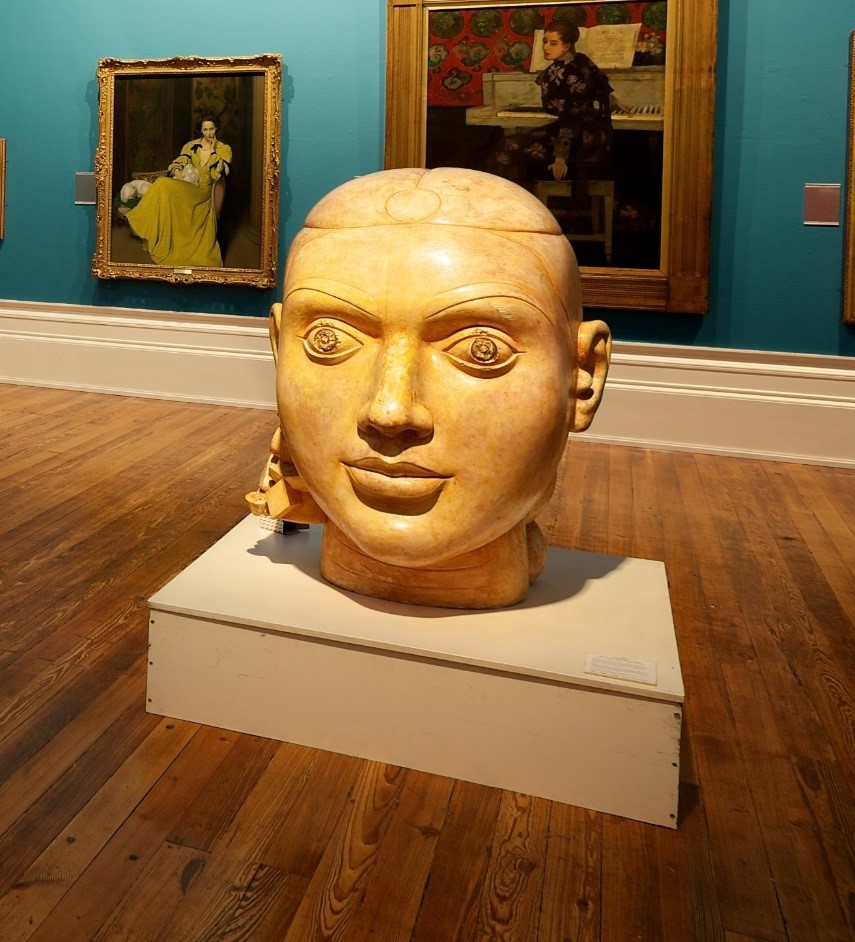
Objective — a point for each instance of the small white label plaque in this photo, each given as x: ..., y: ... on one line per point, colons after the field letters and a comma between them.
x: 621, y: 668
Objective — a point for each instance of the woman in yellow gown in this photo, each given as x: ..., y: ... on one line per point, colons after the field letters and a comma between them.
x: 177, y: 220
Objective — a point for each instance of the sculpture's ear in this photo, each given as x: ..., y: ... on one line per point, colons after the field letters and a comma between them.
x: 274, y: 322
x: 593, y: 351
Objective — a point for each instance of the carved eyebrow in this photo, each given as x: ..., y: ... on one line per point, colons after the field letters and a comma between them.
x: 473, y: 294
x: 346, y: 296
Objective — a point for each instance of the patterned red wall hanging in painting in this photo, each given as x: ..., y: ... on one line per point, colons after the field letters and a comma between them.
x: 464, y: 44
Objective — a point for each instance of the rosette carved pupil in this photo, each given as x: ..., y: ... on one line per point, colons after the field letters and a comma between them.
x: 324, y: 340
x: 484, y: 350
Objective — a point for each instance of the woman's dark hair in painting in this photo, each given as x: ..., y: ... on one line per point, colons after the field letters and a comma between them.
x: 213, y: 119
x: 568, y: 32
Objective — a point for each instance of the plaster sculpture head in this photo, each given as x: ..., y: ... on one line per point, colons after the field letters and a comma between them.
x: 430, y: 364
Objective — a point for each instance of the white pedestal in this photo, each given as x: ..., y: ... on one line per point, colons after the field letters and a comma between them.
x: 250, y: 638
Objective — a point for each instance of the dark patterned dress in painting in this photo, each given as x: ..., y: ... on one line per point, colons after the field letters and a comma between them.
x: 577, y: 92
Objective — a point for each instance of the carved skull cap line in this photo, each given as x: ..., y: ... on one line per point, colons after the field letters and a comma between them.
x: 445, y: 196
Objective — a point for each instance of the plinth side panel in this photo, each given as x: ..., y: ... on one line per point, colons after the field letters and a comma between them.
x: 598, y: 749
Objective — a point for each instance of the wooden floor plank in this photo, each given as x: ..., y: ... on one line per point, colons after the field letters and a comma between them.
x: 87, y: 468
x: 159, y: 892
x: 394, y: 889
x: 128, y: 551
x: 620, y: 503
x: 267, y: 809
x: 837, y: 486
x: 548, y: 515
x: 742, y: 870
x: 817, y: 547
x: 687, y: 884
x: 707, y: 707
x: 648, y: 540
x: 90, y: 903
x: 795, y: 722
x: 203, y: 893
x: 591, y: 492
x: 744, y: 879
x: 27, y: 783
x: 729, y: 617
x: 207, y: 818
x: 313, y: 816
x: 53, y: 873
x: 451, y: 902
x: 828, y: 795
x: 333, y: 897
x: 807, y: 626
x: 66, y: 538
x: 631, y: 891
x: 210, y: 896
x: 214, y: 906
x: 119, y: 641
x: 820, y: 521
x: 797, y: 835
x: 581, y: 475
x: 572, y: 885
x: 265, y: 910
x: 513, y: 889
x: 31, y: 833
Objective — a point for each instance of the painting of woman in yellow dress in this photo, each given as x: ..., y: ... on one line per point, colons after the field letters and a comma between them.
x: 177, y: 217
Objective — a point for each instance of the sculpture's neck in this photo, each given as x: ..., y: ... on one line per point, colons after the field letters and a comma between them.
x: 492, y: 576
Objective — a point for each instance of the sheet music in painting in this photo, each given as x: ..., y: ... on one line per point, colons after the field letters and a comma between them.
x: 609, y: 47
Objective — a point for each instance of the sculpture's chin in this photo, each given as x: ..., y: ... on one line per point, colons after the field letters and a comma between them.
x: 411, y: 541
x: 406, y: 555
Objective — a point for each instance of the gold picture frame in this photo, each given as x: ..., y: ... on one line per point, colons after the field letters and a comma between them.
x: 849, y: 234
x: 148, y: 109
x: 680, y: 283
x: 2, y: 187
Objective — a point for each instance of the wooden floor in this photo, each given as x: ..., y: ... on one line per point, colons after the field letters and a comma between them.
x: 116, y: 824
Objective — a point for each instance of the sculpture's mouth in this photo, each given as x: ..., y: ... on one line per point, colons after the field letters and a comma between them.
x: 385, y: 484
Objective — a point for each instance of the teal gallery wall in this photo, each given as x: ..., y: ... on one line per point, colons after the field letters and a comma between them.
x: 780, y: 123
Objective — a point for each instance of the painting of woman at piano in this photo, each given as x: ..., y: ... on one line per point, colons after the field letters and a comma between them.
x: 578, y: 144
x: 584, y: 108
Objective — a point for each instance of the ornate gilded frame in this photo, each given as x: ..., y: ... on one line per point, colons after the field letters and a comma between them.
x: 681, y: 285
x: 849, y: 237
x: 266, y: 130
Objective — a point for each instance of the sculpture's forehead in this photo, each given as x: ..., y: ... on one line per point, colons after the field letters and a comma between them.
x: 421, y: 261
x: 461, y: 245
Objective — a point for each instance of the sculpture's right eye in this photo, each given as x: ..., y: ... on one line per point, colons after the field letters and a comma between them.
x: 328, y: 341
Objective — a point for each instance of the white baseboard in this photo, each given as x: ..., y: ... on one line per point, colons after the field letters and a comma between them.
x: 783, y: 406
x: 155, y: 354
x: 791, y: 407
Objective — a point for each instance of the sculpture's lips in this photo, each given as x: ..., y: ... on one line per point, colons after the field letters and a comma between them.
x: 394, y: 480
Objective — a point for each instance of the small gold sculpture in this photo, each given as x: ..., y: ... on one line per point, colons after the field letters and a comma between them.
x: 431, y: 361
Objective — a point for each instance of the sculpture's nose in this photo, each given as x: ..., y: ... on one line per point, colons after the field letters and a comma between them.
x: 391, y: 406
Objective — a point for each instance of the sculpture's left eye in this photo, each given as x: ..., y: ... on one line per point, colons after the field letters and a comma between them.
x: 328, y: 342
x: 482, y: 352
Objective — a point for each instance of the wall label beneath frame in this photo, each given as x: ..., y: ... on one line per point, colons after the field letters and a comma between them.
x: 623, y: 668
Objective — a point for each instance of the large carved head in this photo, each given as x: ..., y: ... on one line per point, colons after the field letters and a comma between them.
x: 431, y: 360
